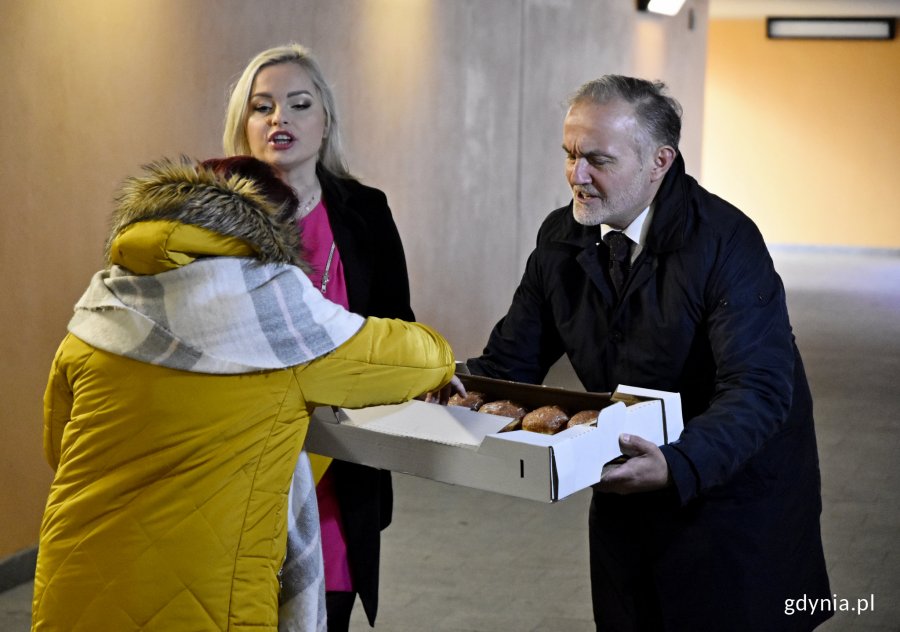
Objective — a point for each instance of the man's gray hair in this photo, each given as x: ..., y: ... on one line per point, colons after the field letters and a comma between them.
x: 658, y: 114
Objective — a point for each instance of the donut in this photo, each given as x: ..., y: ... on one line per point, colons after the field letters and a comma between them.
x: 473, y: 400
x: 583, y: 418
x: 504, y: 408
x: 546, y: 420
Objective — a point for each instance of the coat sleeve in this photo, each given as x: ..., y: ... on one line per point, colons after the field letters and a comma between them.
x: 57, y: 407
x: 371, y: 249
x: 388, y: 361
x: 389, y: 295
x: 754, y: 353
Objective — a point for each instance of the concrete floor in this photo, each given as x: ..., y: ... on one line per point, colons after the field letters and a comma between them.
x: 459, y: 560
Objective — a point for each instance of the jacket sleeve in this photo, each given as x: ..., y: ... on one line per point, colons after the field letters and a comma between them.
x: 57, y: 407
x: 388, y: 361
x: 753, y: 349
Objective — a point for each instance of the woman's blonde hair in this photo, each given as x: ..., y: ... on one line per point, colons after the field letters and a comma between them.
x: 234, y: 139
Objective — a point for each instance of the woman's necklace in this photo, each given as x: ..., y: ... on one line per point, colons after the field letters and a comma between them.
x: 312, y: 190
x: 306, y: 209
x: 309, y: 205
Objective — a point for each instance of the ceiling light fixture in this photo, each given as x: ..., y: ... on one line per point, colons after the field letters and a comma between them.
x: 831, y: 28
x: 663, y: 7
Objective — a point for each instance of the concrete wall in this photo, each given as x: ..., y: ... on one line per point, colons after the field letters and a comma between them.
x: 453, y: 107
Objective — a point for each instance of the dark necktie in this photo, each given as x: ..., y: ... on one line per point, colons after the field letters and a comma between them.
x: 619, y: 258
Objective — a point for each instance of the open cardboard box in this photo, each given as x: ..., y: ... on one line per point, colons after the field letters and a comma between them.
x: 455, y: 445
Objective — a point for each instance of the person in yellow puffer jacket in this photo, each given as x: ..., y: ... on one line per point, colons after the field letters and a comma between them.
x: 179, y: 401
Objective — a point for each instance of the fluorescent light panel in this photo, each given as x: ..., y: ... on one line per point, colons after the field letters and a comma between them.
x: 830, y: 28
x: 665, y: 7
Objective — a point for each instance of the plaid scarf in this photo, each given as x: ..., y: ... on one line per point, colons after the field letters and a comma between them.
x: 301, y: 603
x: 221, y: 315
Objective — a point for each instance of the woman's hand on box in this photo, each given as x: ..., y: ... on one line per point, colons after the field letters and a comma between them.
x: 443, y: 396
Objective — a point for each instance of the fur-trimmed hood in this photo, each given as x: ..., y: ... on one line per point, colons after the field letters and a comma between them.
x: 196, y: 194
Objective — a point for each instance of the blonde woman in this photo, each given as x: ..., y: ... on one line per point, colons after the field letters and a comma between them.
x: 282, y: 111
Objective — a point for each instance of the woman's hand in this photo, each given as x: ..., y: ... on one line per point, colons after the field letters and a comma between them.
x: 443, y: 396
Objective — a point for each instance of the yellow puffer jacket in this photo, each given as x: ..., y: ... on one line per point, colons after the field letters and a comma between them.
x: 167, y: 511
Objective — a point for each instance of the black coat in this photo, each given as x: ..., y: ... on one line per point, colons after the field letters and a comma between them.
x: 704, y: 314
x: 377, y: 285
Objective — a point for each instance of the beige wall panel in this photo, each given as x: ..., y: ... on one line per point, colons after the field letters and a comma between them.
x: 453, y: 107
x: 674, y: 51
x: 429, y: 93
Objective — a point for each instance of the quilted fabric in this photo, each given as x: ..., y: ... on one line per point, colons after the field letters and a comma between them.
x: 167, y: 511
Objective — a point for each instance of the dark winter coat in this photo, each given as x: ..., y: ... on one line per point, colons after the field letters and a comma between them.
x: 377, y: 285
x: 704, y: 314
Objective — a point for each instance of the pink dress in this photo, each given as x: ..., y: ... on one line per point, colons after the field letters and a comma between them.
x: 315, y: 231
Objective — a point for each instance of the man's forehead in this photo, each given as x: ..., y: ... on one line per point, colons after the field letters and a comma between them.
x: 613, y: 114
x: 591, y: 128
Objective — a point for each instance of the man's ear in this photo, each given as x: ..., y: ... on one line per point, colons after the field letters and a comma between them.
x: 663, y: 159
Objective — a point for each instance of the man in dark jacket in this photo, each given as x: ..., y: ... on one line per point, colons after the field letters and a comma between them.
x: 716, y: 530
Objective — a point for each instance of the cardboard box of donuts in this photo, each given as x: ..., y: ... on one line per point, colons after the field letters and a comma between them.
x: 489, y: 446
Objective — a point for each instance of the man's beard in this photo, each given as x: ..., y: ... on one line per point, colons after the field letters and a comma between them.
x: 584, y: 216
x: 617, y: 211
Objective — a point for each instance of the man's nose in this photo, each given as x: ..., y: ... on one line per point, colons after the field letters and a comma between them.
x: 580, y: 171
